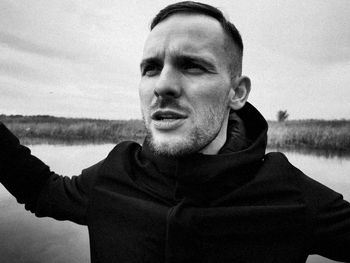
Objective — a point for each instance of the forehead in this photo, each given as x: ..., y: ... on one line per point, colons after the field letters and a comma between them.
x: 186, y: 33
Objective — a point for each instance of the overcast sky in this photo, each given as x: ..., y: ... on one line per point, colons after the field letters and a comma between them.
x: 80, y: 58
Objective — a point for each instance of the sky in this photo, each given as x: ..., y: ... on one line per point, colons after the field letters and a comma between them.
x: 81, y: 58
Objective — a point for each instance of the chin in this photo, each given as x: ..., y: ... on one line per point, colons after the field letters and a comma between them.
x: 172, y: 145
x: 181, y: 141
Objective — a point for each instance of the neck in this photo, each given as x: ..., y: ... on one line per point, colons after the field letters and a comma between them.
x: 219, y: 141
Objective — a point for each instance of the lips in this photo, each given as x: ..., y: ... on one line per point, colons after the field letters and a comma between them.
x: 167, y: 119
x: 161, y: 115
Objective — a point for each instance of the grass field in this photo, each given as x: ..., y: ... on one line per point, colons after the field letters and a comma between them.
x: 319, y: 135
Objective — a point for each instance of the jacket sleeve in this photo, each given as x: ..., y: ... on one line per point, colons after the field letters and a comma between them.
x: 42, y: 191
x: 330, y: 221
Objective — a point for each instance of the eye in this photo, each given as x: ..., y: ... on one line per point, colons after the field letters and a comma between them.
x: 150, y: 70
x: 193, y: 68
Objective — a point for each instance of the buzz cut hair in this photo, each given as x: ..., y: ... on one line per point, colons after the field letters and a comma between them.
x: 190, y: 7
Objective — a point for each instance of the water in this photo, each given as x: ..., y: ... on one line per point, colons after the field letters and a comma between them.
x: 25, y: 238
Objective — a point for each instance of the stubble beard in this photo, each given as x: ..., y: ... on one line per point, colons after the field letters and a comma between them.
x: 197, y: 139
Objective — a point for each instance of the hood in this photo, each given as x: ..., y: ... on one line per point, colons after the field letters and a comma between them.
x: 241, y: 154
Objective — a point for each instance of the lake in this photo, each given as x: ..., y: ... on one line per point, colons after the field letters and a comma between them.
x: 25, y: 238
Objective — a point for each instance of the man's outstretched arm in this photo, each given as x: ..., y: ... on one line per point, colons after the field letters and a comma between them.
x: 42, y: 191
x: 330, y: 222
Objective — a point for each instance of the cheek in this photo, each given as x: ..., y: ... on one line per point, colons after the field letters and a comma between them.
x: 221, y: 93
x: 215, y: 96
x: 145, y: 95
x: 143, y: 105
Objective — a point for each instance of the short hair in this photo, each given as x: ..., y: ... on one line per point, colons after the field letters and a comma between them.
x: 208, y: 10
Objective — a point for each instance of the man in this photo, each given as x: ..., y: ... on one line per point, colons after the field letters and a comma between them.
x: 200, y: 188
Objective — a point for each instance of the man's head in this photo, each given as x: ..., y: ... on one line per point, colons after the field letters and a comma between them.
x: 191, y: 78
x: 233, y: 40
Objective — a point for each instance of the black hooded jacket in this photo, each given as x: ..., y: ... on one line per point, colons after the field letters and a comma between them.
x: 241, y: 205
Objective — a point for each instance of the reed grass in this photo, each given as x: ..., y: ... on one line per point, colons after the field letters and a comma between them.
x: 310, y: 134
x: 53, y: 130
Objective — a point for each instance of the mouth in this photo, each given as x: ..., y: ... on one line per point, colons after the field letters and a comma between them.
x: 167, y: 115
x: 167, y: 119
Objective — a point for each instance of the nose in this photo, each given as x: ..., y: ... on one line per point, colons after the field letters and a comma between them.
x: 168, y: 83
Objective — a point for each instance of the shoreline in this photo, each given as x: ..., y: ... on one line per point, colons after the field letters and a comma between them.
x: 327, y: 137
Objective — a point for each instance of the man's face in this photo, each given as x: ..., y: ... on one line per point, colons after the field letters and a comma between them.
x: 185, y: 85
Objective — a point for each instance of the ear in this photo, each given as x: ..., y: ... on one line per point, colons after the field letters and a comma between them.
x: 239, y: 92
